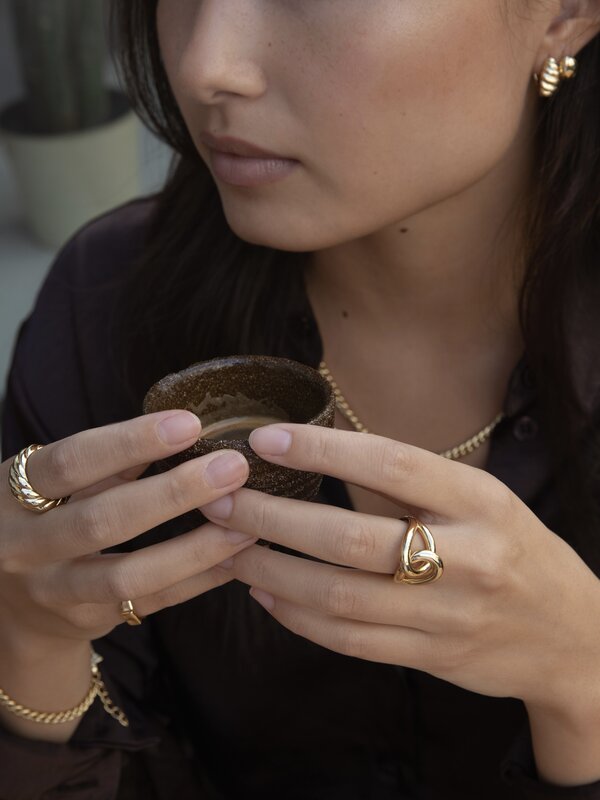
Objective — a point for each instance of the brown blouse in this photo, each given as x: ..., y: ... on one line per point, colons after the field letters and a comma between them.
x: 225, y: 702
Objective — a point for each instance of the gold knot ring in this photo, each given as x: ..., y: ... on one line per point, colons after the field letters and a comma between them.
x: 423, y: 566
x: 128, y: 614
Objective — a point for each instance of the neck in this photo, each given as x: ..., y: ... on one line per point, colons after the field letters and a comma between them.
x: 449, y: 274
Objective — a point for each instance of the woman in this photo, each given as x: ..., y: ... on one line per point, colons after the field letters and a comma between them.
x: 429, y: 229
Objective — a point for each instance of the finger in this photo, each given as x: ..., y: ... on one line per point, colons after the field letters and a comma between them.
x: 64, y: 467
x: 150, y: 570
x: 123, y: 512
x: 185, y: 590
x: 405, y: 473
x: 387, y: 644
x: 342, y: 592
x: 128, y: 475
x: 338, y: 535
x: 102, y: 617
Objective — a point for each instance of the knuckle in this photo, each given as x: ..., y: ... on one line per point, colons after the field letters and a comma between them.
x: 453, y: 658
x: 180, y: 485
x: 91, y: 619
x: 261, y: 571
x: 79, y: 616
x: 120, y: 583
x: 65, y: 461
x: 351, y: 642
x: 261, y: 517
x: 356, y: 543
x: 321, y: 449
x: 447, y: 656
x: 397, y: 461
x: 489, y: 572
x: 131, y: 445
x: 91, y: 523
x: 497, y: 496
x: 337, y: 597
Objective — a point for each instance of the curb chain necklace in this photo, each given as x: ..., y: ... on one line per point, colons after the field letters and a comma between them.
x: 457, y: 452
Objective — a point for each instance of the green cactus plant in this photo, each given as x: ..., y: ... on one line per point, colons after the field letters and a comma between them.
x: 62, y: 52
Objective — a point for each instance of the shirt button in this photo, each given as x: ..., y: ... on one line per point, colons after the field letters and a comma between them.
x: 525, y: 428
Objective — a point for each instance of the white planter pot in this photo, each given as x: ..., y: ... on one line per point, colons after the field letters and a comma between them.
x: 67, y: 179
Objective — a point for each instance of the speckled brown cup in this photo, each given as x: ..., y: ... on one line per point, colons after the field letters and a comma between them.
x: 281, y: 389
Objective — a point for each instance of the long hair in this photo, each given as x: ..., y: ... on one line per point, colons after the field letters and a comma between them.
x: 186, y: 298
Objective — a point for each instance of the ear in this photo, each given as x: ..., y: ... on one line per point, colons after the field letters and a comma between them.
x: 577, y: 23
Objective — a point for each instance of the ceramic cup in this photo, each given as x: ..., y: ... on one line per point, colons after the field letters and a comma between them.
x: 234, y: 395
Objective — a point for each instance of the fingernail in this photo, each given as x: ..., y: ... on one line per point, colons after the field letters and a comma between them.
x: 270, y: 440
x: 221, y: 508
x: 179, y: 428
x: 237, y: 537
x: 264, y: 598
x: 227, y: 564
x: 225, y: 469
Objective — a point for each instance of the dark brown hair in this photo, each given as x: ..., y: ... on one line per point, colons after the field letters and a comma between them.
x: 187, y: 297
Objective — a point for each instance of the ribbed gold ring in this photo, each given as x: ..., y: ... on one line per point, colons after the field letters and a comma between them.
x: 22, y: 490
x: 423, y: 566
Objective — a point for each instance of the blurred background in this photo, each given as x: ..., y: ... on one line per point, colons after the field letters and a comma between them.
x: 70, y: 148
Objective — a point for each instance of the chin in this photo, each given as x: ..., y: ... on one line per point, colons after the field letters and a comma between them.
x: 281, y: 233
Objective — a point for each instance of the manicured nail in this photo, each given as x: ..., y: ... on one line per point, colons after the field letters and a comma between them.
x: 221, y: 508
x: 225, y: 469
x: 270, y: 440
x: 179, y: 428
x: 264, y: 598
x: 237, y: 537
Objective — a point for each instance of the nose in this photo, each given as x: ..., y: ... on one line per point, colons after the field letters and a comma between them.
x: 220, y: 54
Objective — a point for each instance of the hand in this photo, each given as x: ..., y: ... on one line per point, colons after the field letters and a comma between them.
x: 54, y: 582
x: 510, y: 616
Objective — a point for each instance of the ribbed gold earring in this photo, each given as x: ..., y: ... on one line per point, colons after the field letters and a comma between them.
x: 553, y: 73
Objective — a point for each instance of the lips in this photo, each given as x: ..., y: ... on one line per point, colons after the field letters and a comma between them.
x: 238, y: 147
x: 243, y: 171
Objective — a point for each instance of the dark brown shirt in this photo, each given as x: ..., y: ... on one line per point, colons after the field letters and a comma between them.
x: 224, y: 701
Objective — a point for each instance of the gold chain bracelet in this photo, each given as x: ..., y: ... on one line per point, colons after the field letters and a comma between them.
x: 97, y: 687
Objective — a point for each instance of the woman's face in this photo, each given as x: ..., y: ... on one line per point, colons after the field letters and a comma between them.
x: 391, y: 106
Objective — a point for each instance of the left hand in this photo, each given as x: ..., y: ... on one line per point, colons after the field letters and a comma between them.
x: 509, y: 617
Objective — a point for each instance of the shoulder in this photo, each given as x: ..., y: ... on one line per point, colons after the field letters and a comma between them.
x: 62, y: 376
x: 105, y: 245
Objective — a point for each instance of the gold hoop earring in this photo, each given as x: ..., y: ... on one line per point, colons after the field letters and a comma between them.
x: 553, y: 73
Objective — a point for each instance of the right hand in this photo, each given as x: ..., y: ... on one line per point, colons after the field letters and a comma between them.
x: 55, y: 583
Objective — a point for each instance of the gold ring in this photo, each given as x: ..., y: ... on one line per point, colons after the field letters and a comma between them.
x: 423, y: 566
x: 128, y: 614
x: 22, y: 490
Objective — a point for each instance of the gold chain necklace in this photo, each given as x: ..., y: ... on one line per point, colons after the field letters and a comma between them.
x: 457, y: 452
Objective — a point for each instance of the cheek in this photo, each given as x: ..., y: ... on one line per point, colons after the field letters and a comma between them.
x: 417, y: 109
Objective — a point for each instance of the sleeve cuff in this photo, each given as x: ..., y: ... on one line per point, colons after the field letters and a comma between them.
x: 86, y: 766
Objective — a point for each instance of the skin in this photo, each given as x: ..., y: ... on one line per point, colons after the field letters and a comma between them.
x: 58, y: 591
x: 307, y: 76
x: 413, y: 124
x: 422, y: 110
